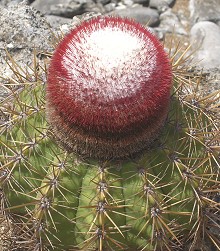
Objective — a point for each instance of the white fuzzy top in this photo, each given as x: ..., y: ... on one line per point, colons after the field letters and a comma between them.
x: 113, y: 47
x: 110, y: 62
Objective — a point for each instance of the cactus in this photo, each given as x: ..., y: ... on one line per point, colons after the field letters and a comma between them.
x: 61, y: 191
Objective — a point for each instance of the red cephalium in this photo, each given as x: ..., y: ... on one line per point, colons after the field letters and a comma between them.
x: 108, y: 88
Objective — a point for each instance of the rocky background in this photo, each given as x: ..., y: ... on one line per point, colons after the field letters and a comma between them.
x: 25, y: 25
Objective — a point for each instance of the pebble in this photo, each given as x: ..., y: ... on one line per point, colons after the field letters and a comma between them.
x: 45, y: 6
x: 143, y: 15
x: 170, y: 22
x: 109, y: 7
x: 56, y: 21
x: 103, y: 2
x: 143, y: 2
x: 63, y: 8
x: 127, y: 2
x: 8, y: 2
x: 205, y: 36
x: 161, y: 5
x: 205, y: 10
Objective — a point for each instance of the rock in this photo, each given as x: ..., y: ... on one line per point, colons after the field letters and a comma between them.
x: 109, y: 7
x: 5, y: 3
x: 204, y: 10
x: 170, y: 22
x: 64, y: 8
x: 141, y: 14
x: 22, y: 29
x: 103, y: 2
x: 161, y: 5
x: 56, y: 21
x: 213, y: 79
x: 143, y: 2
x: 67, y: 10
x: 93, y: 7
x: 45, y: 6
x: 206, y: 37
x: 127, y: 3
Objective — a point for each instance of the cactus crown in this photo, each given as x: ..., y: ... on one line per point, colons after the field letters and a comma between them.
x: 109, y: 85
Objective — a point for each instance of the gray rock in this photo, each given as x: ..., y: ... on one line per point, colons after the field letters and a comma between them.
x: 67, y: 10
x: 109, y: 7
x: 22, y: 29
x: 143, y: 2
x: 206, y: 37
x: 64, y: 8
x: 103, y: 2
x: 45, y: 6
x: 93, y: 7
x: 128, y: 3
x: 170, y: 22
x: 161, y: 5
x: 204, y: 10
x: 141, y: 14
x: 213, y: 79
x: 5, y: 3
x: 56, y: 21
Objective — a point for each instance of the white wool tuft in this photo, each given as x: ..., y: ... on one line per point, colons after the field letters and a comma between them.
x: 110, y: 62
x: 113, y: 46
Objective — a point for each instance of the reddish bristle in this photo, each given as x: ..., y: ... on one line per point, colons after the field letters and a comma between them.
x: 112, y: 97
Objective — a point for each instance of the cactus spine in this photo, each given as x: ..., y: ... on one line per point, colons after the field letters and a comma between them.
x: 165, y: 199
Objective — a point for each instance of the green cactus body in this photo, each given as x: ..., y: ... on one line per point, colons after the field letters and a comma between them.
x: 165, y: 199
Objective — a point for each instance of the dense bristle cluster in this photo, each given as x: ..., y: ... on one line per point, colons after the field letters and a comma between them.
x: 108, y: 88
